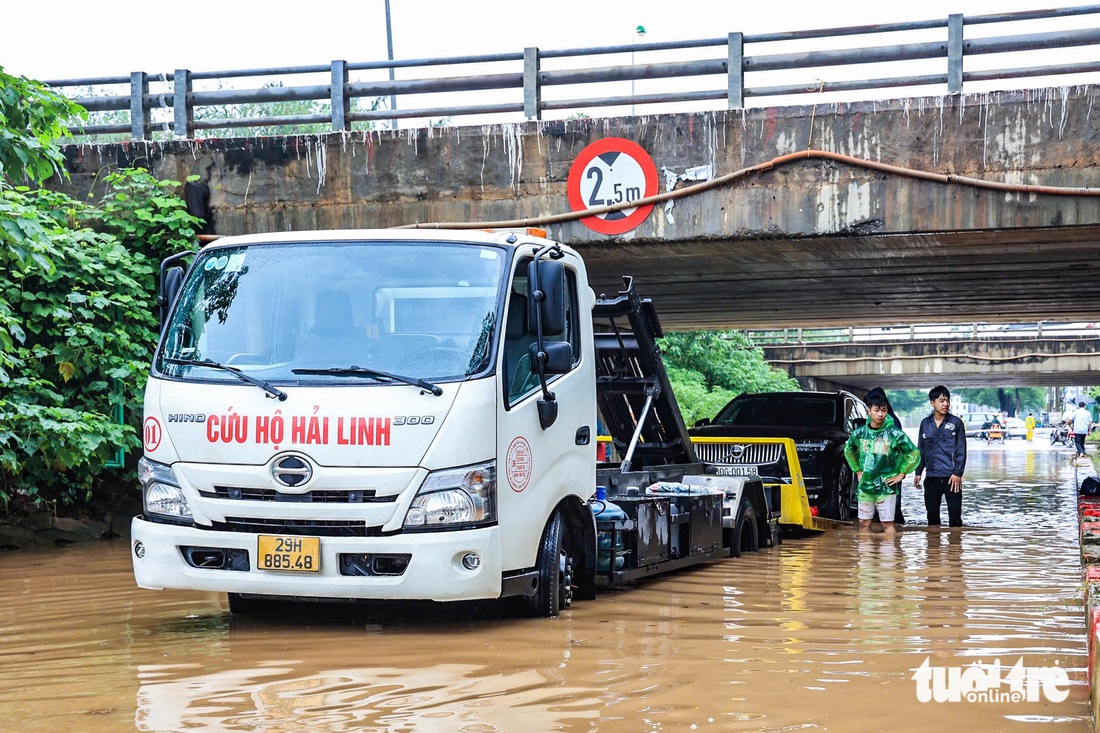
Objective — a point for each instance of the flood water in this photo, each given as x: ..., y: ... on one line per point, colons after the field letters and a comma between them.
x: 822, y: 633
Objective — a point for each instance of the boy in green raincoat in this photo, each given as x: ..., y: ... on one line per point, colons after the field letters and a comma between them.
x: 880, y: 454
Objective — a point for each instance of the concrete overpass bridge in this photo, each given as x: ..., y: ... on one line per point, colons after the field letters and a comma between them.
x: 957, y: 358
x: 953, y: 206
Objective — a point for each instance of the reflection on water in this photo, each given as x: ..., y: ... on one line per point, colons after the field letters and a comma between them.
x: 824, y: 632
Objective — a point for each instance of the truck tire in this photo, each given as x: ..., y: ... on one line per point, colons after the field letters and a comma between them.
x: 746, y: 532
x: 555, y: 573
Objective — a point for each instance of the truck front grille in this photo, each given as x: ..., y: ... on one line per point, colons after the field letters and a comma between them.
x: 319, y: 527
x: 734, y: 453
x: 334, y: 496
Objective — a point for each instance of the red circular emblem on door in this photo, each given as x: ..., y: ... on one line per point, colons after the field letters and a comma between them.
x: 517, y: 464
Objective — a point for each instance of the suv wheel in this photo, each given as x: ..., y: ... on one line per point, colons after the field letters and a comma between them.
x: 841, y: 494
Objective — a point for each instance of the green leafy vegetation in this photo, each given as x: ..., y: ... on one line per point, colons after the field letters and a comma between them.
x: 31, y: 118
x: 1016, y: 401
x: 80, y: 329
x: 709, y: 368
x: 76, y: 305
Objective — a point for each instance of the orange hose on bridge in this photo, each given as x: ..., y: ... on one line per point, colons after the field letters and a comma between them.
x: 760, y: 167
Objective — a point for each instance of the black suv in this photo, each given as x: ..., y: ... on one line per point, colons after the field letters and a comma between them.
x: 819, y: 423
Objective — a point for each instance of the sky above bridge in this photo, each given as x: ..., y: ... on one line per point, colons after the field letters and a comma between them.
x: 70, y: 39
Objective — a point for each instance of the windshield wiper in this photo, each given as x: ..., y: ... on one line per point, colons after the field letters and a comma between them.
x: 358, y: 371
x: 272, y: 392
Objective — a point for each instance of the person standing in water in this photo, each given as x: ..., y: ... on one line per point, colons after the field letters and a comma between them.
x: 899, y: 515
x: 880, y: 454
x: 942, y: 443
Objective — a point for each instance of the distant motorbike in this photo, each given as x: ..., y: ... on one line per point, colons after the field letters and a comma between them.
x: 1061, y: 434
x: 983, y: 434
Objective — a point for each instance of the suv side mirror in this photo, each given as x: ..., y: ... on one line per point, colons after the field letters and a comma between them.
x: 702, y: 422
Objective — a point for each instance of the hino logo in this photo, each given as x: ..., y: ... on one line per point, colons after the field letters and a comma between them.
x: 186, y: 417
x: 291, y: 470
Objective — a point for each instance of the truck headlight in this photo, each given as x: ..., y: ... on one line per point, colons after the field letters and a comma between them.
x: 458, y: 497
x: 161, y: 494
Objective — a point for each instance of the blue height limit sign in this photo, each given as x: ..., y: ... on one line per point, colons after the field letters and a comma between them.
x: 612, y: 171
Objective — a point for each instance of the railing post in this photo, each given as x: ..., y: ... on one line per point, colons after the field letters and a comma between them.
x: 735, y: 72
x: 183, y: 114
x: 341, y: 105
x: 139, y: 108
x: 955, y: 53
x: 532, y: 93
x: 1039, y: 329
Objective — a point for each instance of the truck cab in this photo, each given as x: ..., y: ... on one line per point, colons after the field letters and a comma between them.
x: 390, y: 414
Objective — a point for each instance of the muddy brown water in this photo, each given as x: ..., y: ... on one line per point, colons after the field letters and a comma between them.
x: 823, y: 633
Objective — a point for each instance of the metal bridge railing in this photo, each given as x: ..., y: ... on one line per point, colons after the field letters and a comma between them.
x: 925, y: 332
x: 734, y: 68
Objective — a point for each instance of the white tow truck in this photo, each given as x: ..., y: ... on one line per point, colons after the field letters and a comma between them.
x: 412, y: 415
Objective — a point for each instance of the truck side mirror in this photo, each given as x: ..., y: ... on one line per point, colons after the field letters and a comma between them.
x: 546, y: 278
x: 558, y: 357
x: 170, y: 288
x: 702, y: 422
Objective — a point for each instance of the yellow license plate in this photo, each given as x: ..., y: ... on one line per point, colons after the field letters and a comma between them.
x: 293, y: 554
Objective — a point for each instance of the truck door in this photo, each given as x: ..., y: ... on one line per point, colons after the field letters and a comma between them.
x: 541, y: 466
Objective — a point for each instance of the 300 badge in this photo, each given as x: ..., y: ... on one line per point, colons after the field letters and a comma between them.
x: 414, y: 420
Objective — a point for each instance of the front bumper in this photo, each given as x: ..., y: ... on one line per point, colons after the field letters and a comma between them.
x: 434, y: 572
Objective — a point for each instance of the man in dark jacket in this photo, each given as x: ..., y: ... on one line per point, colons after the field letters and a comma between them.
x: 942, y: 443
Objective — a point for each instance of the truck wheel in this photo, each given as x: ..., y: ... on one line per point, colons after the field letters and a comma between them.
x: 555, y: 572
x: 746, y: 533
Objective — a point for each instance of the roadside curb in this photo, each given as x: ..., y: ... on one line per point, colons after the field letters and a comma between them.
x: 1088, y: 519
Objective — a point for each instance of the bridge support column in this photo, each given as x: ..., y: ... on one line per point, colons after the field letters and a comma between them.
x: 341, y: 103
x: 735, y: 72
x: 183, y: 114
x: 532, y: 91
x: 139, y: 106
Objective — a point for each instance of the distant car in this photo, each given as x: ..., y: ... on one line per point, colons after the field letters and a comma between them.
x: 977, y: 425
x: 819, y: 423
x: 978, y: 422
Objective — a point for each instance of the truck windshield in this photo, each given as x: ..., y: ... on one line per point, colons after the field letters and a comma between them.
x: 298, y: 313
